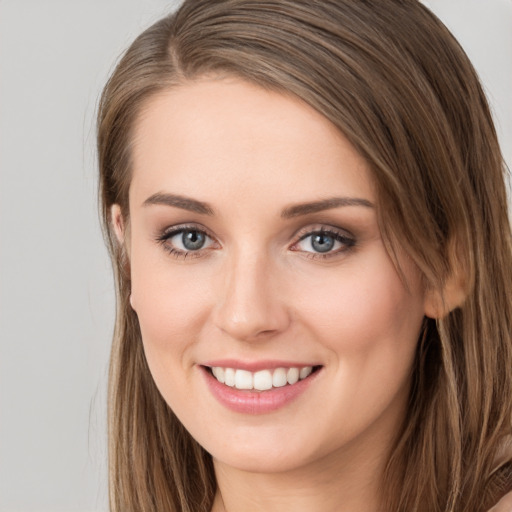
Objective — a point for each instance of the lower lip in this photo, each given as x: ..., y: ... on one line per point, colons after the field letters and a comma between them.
x: 256, y: 402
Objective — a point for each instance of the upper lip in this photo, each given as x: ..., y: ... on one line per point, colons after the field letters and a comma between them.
x: 254, y: 366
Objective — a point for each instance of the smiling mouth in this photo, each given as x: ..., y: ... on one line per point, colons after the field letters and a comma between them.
x: 262, y: 380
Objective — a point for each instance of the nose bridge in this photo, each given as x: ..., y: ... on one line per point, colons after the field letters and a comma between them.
x: 250, y: 304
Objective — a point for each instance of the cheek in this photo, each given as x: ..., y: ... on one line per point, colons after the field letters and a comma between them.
x: 170, y: 304
x: 365, y: 309
x: 370, y: 324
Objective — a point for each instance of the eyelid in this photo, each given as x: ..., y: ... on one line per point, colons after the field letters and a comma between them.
x: 322, y: 228
x: 176, y: 228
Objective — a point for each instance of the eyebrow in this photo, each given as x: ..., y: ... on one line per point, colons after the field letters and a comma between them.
x: 185, y: 203
x: 193, y: 205
x: 324, y: 204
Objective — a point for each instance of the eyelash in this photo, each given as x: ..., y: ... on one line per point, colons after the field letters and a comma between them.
x: 169, y: 233
x: 348, y: 241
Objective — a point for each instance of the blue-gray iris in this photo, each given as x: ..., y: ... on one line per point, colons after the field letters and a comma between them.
x: 321, y: 242
x: 193, y: 240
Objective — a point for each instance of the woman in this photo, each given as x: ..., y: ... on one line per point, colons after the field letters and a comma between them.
x: 306, y: 210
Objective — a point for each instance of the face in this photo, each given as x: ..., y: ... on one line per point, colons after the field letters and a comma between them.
x: 274, y: 323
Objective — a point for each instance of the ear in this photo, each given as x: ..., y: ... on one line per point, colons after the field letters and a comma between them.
x: 454, y: 290
x: 121, y: 232
x: 438, y: 303
x: 116, y: 218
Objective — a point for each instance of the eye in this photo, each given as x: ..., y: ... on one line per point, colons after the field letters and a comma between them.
x: 184, y: 241
x: 189, y: 240
x: 324, y: 243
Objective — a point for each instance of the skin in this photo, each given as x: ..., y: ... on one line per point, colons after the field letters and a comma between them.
x: 258, y: 291
x: 504, y: 505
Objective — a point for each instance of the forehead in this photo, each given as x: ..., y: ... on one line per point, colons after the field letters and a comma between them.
x: 211, y: 132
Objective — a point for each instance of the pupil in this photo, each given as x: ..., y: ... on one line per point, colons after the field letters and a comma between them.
x: 193, y: 240
x: 322, y: 243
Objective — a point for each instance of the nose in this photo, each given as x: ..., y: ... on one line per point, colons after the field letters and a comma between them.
x: 251, y: 304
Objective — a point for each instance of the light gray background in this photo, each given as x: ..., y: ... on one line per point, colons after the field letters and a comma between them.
x: 56, y: 299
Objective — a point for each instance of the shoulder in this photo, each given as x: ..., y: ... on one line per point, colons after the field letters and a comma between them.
x: 499, y: 488
x: 504, y: 505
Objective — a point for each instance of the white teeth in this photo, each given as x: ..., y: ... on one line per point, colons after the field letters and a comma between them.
x: 219, y: 373
x: 304, y: 372
x: 261, y: 380
x: 229, y: 377
x: 243, y: 379
x: 292, y: 376
x: 279, y: 378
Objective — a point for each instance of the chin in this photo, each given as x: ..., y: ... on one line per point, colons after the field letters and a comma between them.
x: 262, y: 461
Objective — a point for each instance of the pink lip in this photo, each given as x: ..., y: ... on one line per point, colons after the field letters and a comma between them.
x: 256, y: 402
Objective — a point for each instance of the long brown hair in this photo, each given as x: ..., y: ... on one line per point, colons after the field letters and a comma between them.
x: 393, y: 79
